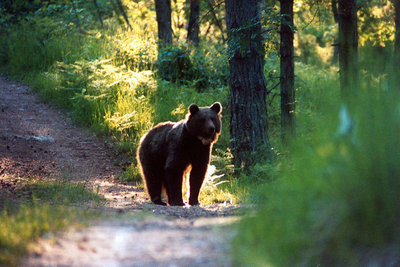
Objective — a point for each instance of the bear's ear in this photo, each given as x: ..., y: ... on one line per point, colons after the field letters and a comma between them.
x: 216, y: 107
x: 193, y: 109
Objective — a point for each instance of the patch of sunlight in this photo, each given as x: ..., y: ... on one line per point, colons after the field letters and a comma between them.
x: 297, y: 6
x: 326, y: 150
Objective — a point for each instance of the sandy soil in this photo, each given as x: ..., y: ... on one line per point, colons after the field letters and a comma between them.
x: 39, y: 141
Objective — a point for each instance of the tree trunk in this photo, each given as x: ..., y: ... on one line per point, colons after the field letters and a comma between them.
x: 396, y: 57
x: 78, y: 23
x: 98, y: 13
x: 335, y: 57
x: 287, y: 70
x: 249, y: 117
x: 348, y: 44
x: 217, y: 21
x: 163, y: 13
x: 121, y: 9
x: 194, y: 27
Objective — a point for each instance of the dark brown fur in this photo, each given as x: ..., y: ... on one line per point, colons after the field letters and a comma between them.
x: 169, y: 149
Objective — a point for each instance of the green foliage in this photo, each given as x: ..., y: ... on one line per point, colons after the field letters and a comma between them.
x: 13, y: 11
x: 31, y: 48
x: 183, y: 64
x: 316, y: 32
x: 339, y: 194
x: 76, y: 11
x: 376, y: 20
x: 137, y: 51
x: 241, y: 39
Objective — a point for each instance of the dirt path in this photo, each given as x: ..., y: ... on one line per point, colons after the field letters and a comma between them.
x: 39, y: 141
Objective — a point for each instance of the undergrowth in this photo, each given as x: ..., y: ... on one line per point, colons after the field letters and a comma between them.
x: 337, y: 195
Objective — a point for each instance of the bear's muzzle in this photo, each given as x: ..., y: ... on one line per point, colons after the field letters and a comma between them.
x: 205, y: 141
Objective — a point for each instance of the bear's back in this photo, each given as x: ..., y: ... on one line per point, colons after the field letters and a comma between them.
x: 156, y: 143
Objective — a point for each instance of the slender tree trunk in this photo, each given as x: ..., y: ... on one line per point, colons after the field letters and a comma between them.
x: 335, y: 57
x: 78, y: 23
x: 163, y: 13
x: 348, y: 45
x: 121, y: 9
x: 217, y: 21
x: 396, y: 58
x: 249, y: 117
x: 287, y: 70
x: 194, y: 27
x: 98, y: 13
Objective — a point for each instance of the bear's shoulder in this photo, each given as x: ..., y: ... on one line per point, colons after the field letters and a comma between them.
x: 166, y: 131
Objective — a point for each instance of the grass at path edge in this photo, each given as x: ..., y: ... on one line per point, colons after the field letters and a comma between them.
x: 46, y: 207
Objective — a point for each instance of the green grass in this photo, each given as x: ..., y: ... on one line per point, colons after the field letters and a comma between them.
x: 62, y: 192
x: 47, y: 208
x: 25, y: 224
x: 336, y: 196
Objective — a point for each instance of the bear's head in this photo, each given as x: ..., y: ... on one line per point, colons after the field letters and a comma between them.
x: 205, y: 122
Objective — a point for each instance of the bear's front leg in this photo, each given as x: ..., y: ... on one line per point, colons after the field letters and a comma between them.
x: 196, y: 180
x: 173, y: 186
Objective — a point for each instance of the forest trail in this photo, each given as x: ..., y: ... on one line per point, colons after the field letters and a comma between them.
x: 40, y: 142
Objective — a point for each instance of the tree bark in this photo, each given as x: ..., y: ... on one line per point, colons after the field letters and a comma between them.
x: 287, y: 70
x: 194, y: 27
x: 348, y: 46
x: 335, y: 57
x: 163, y: 13
x: 249, y: 117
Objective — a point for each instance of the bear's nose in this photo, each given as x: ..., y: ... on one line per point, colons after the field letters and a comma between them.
x: 211, y: 129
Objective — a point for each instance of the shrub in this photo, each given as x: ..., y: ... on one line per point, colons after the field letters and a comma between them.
x: 183, y: 64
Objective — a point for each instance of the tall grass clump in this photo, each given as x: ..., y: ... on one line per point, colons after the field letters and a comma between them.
x: 62, y: 192
x: 337, y: 197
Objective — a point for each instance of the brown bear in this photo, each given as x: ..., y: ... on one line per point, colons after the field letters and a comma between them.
x: 170, y: 149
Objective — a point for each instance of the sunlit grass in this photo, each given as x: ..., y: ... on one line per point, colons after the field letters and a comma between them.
x: 63, y: 192
x: 47, y: 208
x: 25, y: 224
